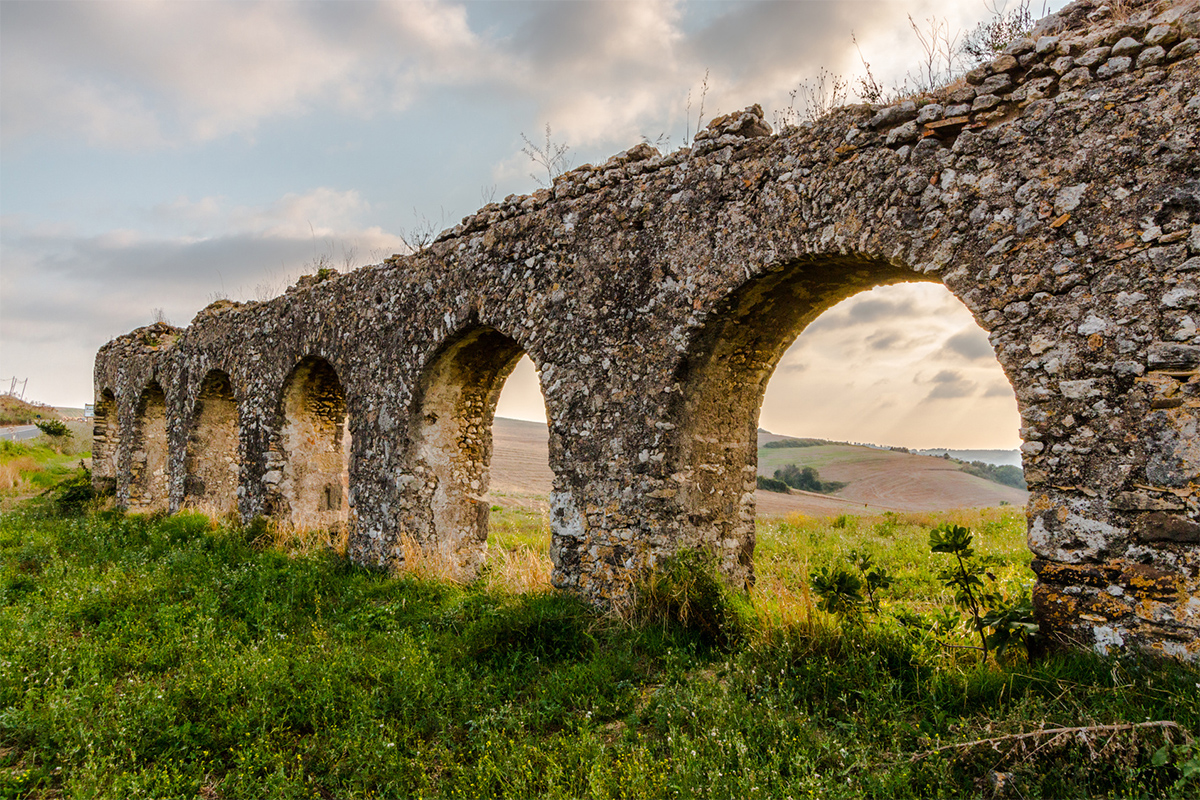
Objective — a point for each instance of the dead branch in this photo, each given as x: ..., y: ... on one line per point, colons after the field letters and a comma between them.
x: 1166, y: 725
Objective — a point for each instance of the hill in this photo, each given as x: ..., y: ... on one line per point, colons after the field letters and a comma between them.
x: 19, y: 412
x: 878, y: 480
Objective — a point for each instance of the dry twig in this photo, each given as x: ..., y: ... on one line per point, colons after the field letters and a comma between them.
x: 1082, y: 731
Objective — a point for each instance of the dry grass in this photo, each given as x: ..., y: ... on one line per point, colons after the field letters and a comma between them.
x: 429, y: 563
x: 13, y: 472
x: 298, y: 537
x: 519, y: 570
x: 215, y: 512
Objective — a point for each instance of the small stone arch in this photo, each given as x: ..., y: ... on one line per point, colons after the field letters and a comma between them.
x: 106, y: 440
x: 213, y: 464
x: 308, y: 475
x: 148, y: 462
x: 453, y: 410
x: 723, y: 379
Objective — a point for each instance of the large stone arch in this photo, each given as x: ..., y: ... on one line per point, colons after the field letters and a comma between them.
x: 212, y: 467
x: 309, y: 464
x: 106, y: 441
x: 148, y: 461
x: 722, y: 377
x: 453, y: 409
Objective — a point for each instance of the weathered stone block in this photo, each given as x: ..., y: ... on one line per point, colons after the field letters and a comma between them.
x: 1163, y: 527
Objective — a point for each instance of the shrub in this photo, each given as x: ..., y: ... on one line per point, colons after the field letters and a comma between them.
x: 686, y: 593
x: 74, y: 494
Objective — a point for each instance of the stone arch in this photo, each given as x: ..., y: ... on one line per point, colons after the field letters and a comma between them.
x: 453, y: 411
x: 309, y: 468
x: 148, y: 478
x: 213, y: 464
x: 722, y: 381
x: 106, y: 439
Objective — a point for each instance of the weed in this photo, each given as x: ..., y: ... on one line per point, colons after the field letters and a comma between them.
x: 550, y: 156
x: 689, y: 136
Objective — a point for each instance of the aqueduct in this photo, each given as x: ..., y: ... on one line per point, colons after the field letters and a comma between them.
x: 1056, y: 192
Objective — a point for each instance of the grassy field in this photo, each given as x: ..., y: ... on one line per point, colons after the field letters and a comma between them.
x: 176, y: 657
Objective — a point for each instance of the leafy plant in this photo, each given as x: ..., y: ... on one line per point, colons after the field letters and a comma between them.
x: 840, y: 590
x: 1184, y: 757
x: 53, y: 427
x: 874, y: 577
x: 964, y: 577
x: 1008, y: 622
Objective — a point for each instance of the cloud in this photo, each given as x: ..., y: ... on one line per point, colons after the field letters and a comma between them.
x: 886, y: 339
x: 132, y: 74
x: 948, y: 385
x: 1001, y: 389
x: 970, y: 343
x: 65, y: 291
x: 129, y: 74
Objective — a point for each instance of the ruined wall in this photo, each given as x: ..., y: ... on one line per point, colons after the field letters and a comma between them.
x: 213, y: 462
x: 1054, y: 192
x: 148, y: 457
x: 307, y: 470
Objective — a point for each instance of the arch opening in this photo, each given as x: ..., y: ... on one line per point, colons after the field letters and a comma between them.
x: 453, y: 419
x: 106, y: 437
x: 723, y: 384
x: 213, y: 464
x: 148, y: 457
x: 310, y: 465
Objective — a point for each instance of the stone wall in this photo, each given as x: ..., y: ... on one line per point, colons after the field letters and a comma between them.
x: 1055, y: 192
x: 213, y: 462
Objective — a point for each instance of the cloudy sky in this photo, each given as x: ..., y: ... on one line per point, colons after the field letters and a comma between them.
x: 158, y: 155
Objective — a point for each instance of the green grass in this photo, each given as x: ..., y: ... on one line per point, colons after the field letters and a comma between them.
x: 172, y: 657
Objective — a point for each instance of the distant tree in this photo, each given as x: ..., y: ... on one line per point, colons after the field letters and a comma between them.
x: 772, y: 485
x: 806, y: 479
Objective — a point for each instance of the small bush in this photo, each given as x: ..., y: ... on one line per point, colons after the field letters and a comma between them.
x: 74, y: 495
x: 687, y: 594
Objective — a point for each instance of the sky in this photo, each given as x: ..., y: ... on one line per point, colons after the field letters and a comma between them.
x: 155, y: 156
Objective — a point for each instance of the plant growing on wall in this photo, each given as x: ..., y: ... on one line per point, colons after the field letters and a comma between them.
x: 550, y: 156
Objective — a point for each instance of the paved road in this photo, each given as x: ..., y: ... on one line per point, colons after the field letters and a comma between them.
x: 18, y: 432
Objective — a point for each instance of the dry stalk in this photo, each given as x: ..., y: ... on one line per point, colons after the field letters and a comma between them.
x: 216, y: 513
x: 1050, y: 736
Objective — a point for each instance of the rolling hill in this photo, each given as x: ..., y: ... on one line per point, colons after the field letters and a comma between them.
x: 877, y: 480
